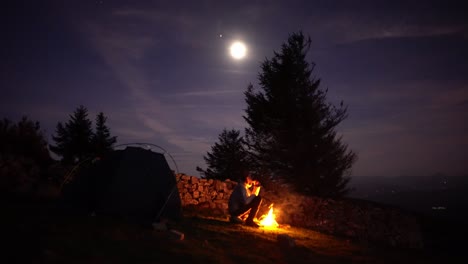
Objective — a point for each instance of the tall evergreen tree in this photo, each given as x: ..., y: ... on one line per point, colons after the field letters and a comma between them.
x: 73, y: 141
x: 62, y: 144
x: 291, y: 131
x: 102, y: 141
x: 228, y: 158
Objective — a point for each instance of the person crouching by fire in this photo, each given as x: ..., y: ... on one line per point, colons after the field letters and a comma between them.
x: 244, y: 197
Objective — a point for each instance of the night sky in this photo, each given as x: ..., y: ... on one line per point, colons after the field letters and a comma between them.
x: 162, y: 73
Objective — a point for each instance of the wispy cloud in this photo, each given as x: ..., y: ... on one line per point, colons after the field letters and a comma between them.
x: 132, y: 134
x: 204, y: 93
x: 463, y: 103
x: 354, y: 31
x: 153, y: 117
x: 182, y: 25
x: 400, y: 130
x: 372, y: 20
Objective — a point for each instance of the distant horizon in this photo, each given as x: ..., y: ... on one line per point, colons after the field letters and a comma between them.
x: 195, y: 173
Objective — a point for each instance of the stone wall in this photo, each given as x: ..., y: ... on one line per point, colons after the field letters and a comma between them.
x: 357, y: 219
x: 203, y: 196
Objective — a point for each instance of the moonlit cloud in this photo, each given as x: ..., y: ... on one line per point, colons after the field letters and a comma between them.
x: 205, y: 93
x: 157, y: 119
x: 348, y: 30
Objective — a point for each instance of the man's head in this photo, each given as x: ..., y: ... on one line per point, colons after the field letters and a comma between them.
x: 247, y: 179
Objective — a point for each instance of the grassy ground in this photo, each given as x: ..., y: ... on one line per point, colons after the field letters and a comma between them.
x: 36, y: 232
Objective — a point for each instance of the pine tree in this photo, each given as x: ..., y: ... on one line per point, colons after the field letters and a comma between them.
x: 73, y: 141
x: 62, y: 141
x: 228, y: 158
x: 291, y: 131
x: 102, y: 141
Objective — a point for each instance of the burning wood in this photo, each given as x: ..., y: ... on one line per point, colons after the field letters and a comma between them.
x: 268, y: 220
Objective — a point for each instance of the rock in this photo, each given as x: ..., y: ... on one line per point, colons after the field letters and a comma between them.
x: 204, y: 205
x: 213, y: 194
x: 177, y: 235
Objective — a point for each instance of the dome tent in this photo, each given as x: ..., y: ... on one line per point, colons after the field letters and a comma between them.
x: 133, y: 183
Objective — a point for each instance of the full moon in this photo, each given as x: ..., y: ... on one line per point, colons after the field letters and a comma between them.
x: 238, y: 50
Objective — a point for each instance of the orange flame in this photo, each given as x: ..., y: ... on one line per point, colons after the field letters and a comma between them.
x: 268, y: 220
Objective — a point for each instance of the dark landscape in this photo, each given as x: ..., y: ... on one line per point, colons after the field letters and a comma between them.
x: 38, y: 231
x: 440, y: 201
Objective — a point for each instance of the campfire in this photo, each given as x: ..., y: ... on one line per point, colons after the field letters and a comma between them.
x: 268, y: 220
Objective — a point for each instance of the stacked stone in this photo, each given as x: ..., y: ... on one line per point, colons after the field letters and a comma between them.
x: 361, y: 220
x: 358, y: 219
x: 204, y: 193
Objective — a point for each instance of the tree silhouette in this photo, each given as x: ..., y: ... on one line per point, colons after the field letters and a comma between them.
x: 62, y: 140
x: 291, y: 131
x: 25, y: 139
x: 101, y: 140
x: 24, y: 157
x: 73, y: 141
x: 228, y: 158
